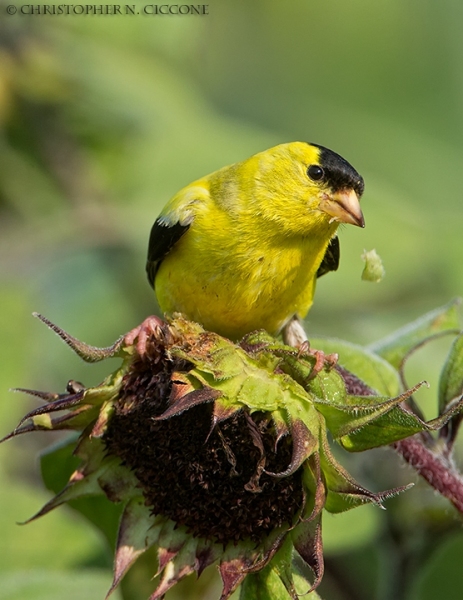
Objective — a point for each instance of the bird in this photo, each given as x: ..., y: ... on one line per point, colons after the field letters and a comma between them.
x: 241, y: 249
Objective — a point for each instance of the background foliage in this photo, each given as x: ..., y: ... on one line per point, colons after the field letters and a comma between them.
x: 102, y: 118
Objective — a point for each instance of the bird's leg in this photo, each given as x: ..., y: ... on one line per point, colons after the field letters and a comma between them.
x: 295, y: 335
x: 150, y: 326
x: 322, y: 360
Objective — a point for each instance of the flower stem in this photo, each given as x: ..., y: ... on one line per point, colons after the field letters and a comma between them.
x: 436, y: 470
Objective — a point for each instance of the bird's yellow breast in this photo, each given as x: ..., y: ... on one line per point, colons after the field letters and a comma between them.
x: 234, y: 275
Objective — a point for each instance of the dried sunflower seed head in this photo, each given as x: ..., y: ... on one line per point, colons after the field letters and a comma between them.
x: 218, y: 451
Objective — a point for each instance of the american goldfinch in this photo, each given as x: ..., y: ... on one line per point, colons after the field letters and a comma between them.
x: 241, y: 249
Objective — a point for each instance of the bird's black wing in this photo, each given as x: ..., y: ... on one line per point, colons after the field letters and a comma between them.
x: 330, y: 261
x: 162, y: 238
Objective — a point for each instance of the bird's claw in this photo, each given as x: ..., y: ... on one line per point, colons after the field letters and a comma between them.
x: 322, y: 360
x: 151, y: 326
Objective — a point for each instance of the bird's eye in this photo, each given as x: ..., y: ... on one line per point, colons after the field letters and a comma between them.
x: 315, y: 172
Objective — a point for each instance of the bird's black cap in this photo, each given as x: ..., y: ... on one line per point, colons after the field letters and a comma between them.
x: 339, y: 173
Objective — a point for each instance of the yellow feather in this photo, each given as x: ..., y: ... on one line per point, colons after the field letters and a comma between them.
x: 257, y: 236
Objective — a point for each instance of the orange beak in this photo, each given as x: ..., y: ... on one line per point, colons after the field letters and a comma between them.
x: 344, y: 207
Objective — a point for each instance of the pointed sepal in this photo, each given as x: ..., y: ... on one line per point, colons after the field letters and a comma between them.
x: 307, y: 539
x: 364, y: 422
x: 194, y: 398
x: 84, y: 351
x: 304, y: 444
x: 233, y: 572
x: 342, y: 491
x: 181, y: 565
x: 137, y: 532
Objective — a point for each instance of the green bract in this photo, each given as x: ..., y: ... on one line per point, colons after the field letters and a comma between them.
x: 218, y: 452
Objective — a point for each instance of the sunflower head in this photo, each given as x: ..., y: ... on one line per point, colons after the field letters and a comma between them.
x: 219, y: 452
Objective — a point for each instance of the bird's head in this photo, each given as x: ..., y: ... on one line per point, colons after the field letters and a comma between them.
x: 306, y: 187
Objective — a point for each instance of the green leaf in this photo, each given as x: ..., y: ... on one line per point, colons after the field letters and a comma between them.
x: 396, y: 346
x: 367, y: 366
x: 451, y: 379
x: 451, y: 391
x: 272, y: 582
x: 328, y: 386
x: 58, y: 462
x: 264, y: 585
x: 102, y: 513
x: 301, y: 585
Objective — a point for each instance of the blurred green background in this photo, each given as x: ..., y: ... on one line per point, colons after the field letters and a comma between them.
x: 103, y: 118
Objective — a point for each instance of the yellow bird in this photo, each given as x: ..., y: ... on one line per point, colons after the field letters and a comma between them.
x: 241, y: 249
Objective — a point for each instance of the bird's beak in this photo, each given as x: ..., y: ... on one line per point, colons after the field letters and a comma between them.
x: 344, y: 207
